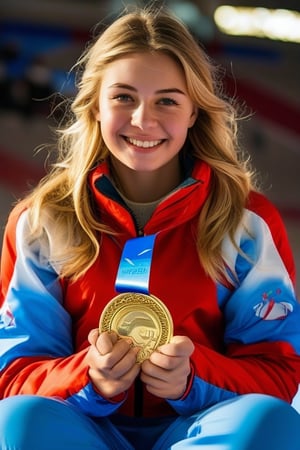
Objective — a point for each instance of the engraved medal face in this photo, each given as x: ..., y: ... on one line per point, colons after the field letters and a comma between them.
x: 142, y: 317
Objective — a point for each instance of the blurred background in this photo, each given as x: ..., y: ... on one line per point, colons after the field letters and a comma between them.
x: 258, y: 48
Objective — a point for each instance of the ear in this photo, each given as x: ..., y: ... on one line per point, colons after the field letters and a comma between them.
x: 193, y: 117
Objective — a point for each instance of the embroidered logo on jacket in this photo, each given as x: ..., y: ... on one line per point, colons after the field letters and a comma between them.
x: 269, y: 309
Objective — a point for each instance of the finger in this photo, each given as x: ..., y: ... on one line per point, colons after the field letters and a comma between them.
x: 166, y: 368
x: 106, y: 342
x: 93, y: 336
x: 166, y: 362
x: 157, y: 379
x: 118, y: 351
x: 110, y: 386
x: 126, y: 365
x: 121, y: 347
x: 150, y: 370
x: 118, y: 369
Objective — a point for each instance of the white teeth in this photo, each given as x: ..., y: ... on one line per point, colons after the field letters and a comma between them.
x: 144, y: 144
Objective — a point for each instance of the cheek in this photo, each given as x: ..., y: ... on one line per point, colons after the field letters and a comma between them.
x: 111, y: 127
x: 111, y: 119
x: 180, y: 129
x: 107, y: 122
x: 106, y: 132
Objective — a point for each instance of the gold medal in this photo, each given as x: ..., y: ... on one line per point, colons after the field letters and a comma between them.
x: 142, y: 317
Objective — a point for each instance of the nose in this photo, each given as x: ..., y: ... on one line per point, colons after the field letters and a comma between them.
x: 143, y: 117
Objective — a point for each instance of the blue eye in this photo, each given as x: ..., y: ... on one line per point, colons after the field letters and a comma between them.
x: 122, y: 97
x: 167, y: 101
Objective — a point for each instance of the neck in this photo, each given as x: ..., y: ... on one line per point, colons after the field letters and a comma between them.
x: 145, y: 187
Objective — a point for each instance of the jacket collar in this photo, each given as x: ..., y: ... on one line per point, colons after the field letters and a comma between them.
x: 181, y: 205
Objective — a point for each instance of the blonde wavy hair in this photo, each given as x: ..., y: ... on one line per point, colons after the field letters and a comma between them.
x: 63, y: 195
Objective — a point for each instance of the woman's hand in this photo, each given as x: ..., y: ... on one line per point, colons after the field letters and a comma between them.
x: 166, y: 372
x: 112, y: 363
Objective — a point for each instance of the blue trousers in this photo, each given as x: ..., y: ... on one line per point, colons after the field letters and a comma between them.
x: 249, y: 422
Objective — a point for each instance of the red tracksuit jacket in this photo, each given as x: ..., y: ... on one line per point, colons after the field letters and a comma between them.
x: 246, y: 333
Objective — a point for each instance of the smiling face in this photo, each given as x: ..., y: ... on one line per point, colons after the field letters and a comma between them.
x: 144, y: 111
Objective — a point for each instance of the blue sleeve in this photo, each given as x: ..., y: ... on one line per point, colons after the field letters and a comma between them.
x: 33, y: 320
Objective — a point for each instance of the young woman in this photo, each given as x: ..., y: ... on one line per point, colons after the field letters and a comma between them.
x: 149, y: 205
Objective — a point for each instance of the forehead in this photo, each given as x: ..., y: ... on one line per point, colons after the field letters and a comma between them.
x: 143, y: 68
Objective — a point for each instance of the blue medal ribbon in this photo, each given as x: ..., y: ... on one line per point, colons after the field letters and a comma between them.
x: 135, y: 265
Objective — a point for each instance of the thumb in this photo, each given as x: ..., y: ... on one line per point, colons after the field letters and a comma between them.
x: 178, y: 346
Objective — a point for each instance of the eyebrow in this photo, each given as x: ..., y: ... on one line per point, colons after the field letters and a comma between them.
x: 160, y: 91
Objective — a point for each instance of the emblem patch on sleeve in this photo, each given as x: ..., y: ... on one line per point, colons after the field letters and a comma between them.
x: 270, y: 309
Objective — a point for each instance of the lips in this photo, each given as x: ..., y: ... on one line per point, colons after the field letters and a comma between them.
x: 143, y: 144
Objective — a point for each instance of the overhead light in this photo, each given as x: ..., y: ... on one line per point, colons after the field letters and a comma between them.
x: 277, y: 24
